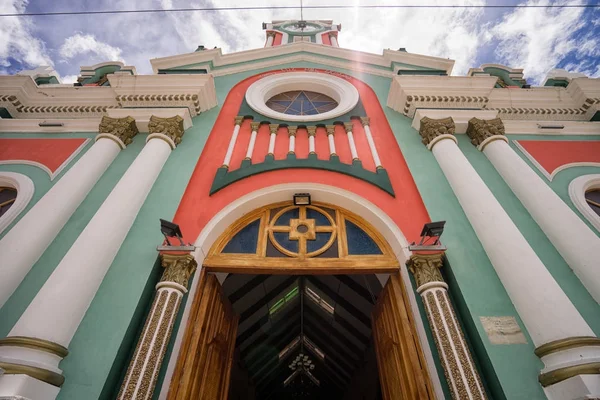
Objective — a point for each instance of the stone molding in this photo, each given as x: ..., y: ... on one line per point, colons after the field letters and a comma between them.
x: 171, y: 127
x: 480, y: 129
x: 178, y: 268
x: 124, y: 129
x: 432, y: 128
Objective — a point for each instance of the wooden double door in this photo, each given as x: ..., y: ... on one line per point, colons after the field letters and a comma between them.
x: 203, y: 368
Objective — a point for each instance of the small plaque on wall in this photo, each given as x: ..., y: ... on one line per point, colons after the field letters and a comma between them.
x: 503, y: 330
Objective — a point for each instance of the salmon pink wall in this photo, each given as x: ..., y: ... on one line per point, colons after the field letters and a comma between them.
x: 552, y: 155
x: 197, y: 207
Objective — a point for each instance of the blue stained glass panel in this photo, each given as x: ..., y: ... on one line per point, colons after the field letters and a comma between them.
x: 320, y: 241
x: 283, y: 238
x: 285, y: 218
x: 359, y: 242
x: 245, y: 241
x: 319, y: 218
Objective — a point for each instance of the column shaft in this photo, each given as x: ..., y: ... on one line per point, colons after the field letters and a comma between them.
x: 348, y: 126
x: 270, y: 38
x: 273, y: 130
x: 24, y: 244
x: 365, y: 122
x: 292, y: 134
x: 331, y: 139
x: 312, y: 131
x: 254, y: 126
x: 232, y: 141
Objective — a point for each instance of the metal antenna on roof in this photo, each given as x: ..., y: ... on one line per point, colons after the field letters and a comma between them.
x: 301, y: 11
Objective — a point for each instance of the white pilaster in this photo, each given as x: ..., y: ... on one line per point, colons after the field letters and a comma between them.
x: 232, y: 141
x: 331, y: 139
x: 58, y: 308
x: 254, y: 126
x: 273, y: 130
x: 25, y: 243
x: 366, y: 121
x: 574, y: 240
x: 292, y: 135
x: 312, y: 131
x: 348, y: 126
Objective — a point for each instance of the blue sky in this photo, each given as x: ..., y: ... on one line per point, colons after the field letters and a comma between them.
x: 535, y: 39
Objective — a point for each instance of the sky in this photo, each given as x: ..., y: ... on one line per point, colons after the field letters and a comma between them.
x: 534, y: 39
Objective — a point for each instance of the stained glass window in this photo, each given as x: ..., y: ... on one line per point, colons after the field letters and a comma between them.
x: 301, y: 102
x: 7, y: 199
x: 593, y: 199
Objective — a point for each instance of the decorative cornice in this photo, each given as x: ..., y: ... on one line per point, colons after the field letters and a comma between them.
x: 566, y: 344
x: 178, y: 268
x: 238, y: 120
x: 365, y: 121
x: 561, y: 374
x: 432, y: 128
x: 480, y: 129
x: 35, y: 343
x: 41, y: 374
x: 254, y: 125
x: 348, y: 126
x: 171, y: 127
x: 426, y: 268
x: 122, y: 128
x: 312, y: 130
x: 273, y: 128
x: 292, y: 130
x: 330, y: 129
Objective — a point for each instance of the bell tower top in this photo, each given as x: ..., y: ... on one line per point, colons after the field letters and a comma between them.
x: 290, y: 31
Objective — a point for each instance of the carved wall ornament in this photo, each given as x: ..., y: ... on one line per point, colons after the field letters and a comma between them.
x: 426, y: 268
x: 312, y: 130
x: 123, y: 128
x: 238, y: 120
x: 330, y: 129
x: 171, y: 127
x: 178, y: 268
x: 432, y: 128
x: 365, y: 121
x: 273, y: 128
x: 348, y: 127
x: 292, y: 130
x: 481, y: 129
x: 254, y: 126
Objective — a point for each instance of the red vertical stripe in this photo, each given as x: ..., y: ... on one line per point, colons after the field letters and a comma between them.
x: 301, y: 148
x: 342, y: 148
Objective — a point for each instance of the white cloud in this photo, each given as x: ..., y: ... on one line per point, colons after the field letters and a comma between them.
x: 537, y: 39
x: 80, y: 44
x: 69, y: 79
x: 17, y: 40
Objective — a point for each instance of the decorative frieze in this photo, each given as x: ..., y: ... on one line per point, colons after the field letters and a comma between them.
x: 171, y: 127
x: 433, y: 128
x: 124, y: 129
x: 480, y: 130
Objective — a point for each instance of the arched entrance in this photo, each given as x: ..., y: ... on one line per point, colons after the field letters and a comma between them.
x: 301, y: 281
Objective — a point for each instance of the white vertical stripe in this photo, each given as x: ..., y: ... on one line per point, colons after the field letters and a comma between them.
x: 352, y: 145
x: 311, y: 144
x: 272, y: 143
x: 292, y: 143
x: 331, y: 144
x: 251, y: 145
x: 376, y: 159
x: 232, y: 142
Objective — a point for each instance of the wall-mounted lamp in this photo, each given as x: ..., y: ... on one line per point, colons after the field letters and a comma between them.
x: 170, y: 229
x: 550, y: 126
x: 302, y: 199
x: 50, y: 124
x: 431, y: 230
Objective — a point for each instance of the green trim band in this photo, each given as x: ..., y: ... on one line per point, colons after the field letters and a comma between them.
x: 35, y: 343
x: 41, y: 374
x: 565, y: 344
x: 380, y: 178
x: 559, y: 375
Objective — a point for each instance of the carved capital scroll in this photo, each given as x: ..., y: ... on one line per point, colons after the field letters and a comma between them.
x: 426, y: 268
x: 122, y: 128
x: 432, y: 128
x: 178, y: 268
x: 480, y: 129
x: 171, y: 127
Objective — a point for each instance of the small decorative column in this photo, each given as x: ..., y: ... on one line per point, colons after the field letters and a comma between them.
x: 574, y: 240
x: 254, y: 127
x: 545, y: 309
x: 58, y: 308
x: 349, y: 127
x: 459, y: 368
x: 366, y: 121
x: 312, y: 131
x: 273, y: 129
x: 236, y: 131
x: 150, y: 350
x: 292, y: 133
x: 24, y: 244
x: 270, y: 39
x: 333, y: 39
x: 330, y: 137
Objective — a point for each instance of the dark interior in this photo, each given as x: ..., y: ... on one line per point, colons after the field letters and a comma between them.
x: 325, y: 318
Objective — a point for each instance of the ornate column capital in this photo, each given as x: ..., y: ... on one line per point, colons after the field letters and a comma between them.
x: 273, y: 128
x: 312, y: 130
x: 254, y: 126
x: 348, y: 127
x: 479, y: 130
x: 292, y: 130
x: 171, y: 127
x: 178, y: 268
x: 238, y: 120
x: 330, y: 129
x: 433, y: 128
x: 426, y: 268
x: 123, y: 129
x: 365, y: 121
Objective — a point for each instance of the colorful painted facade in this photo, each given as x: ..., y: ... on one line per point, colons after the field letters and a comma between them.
x: 379, y: 146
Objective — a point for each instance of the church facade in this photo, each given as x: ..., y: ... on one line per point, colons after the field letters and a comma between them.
x: 299, y: 221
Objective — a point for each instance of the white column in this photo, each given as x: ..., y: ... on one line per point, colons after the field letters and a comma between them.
x: 292, y: 135
x: 232, y: 141
x: 58, y: 308
x: 574, y: 240
x: 254, y: 126
x: 330, y: 137
x: 544, y: 308
x: 312, y: 131
x: 270, y: 38
x: 334, y: 41
x: 144, y: 367
x: 366, y: 122
x: 25, y: 243
x: 348, y: 126
x: 273, y: 129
